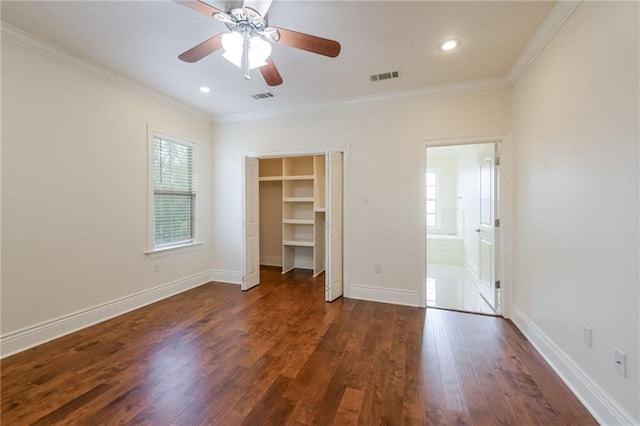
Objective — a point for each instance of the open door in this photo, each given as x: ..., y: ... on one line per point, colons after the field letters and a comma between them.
x: 251, y: 266
x: 487, y: 230
x: 334, y: 267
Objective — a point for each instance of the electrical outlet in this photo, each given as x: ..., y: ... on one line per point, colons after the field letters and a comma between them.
x: 620, y: 359
x: 377, y: 268
x: 586, y: 335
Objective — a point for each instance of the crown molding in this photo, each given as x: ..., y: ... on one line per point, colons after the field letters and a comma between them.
x: 425, y: 92
x: 560, y: 13
x: 29, y: 41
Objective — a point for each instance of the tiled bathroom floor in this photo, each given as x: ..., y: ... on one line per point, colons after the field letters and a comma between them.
x: 451, y: 286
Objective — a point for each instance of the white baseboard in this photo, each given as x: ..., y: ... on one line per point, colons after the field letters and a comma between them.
x: 603, y: 408
x: 384, y: 295
x: 271, y: 260
x: 229, y: 277
x: 20, y: 340
x: 304, y: 263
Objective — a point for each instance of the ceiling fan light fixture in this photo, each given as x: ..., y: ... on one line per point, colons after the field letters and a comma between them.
x: 259, y: 50
x: 247, y: 45
x: 449, y: 44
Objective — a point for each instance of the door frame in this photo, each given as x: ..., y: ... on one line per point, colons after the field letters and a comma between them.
x: 346, y: 226
x: 503, y: 254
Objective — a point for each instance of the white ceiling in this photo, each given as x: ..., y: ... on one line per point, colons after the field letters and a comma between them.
x: 142, y: 40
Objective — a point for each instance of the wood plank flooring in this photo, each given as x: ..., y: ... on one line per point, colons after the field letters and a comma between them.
x: 278, y: 354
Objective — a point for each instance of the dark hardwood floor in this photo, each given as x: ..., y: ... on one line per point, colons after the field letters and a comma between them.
x: 278, y: 354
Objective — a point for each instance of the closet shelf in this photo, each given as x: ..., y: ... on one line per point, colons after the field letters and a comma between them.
x: 298, y: 243
x: 269, y: 178
x: 298, y: 200
x: 298, y: 177
x: 298, y: 221
x: 319, y: 209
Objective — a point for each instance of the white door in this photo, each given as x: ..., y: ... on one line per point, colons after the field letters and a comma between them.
x: 334, y: 267
x: 487, y: 230
x: 251, y: 267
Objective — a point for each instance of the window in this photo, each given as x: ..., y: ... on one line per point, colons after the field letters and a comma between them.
x: 432, y: 199
x: 174, y: 192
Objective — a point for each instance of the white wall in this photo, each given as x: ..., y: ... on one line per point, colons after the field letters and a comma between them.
x: 383, y: 168
x: 576, y: 209
x: 74, y: 192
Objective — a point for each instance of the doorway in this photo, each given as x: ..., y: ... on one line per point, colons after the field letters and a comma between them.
x: 462, y: 185
x: 293, y: 216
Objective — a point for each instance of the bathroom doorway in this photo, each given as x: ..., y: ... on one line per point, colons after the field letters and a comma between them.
x: 462, y: 227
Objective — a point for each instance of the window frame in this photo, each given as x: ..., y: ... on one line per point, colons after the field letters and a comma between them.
x: 438, y: 199
x: 161, y: 249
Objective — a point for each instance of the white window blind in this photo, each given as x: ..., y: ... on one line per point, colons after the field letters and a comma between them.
x: 174, y: 192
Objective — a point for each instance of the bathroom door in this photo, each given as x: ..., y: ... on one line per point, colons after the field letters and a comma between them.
x: 487, y: 229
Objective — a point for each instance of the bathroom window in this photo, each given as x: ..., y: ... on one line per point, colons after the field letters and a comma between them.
x: 433, y: 183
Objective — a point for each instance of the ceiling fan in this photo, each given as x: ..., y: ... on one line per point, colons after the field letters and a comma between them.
x: 248, y: 42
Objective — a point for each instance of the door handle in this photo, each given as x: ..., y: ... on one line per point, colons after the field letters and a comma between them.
x: 478, y: 230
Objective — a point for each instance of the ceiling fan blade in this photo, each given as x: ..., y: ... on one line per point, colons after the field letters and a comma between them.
x: 271, y: 34
x: 260, y: 6
x: 224, y: 17
x: 270, y: 73
x: 308, y: 42
x: 199, y: 6
x: 205, y: 48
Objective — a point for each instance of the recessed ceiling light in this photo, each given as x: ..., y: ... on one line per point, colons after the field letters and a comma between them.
x: 450, y: 45
x: 204, y: 89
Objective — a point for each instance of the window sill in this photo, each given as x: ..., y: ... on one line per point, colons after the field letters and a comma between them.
x: 173, y: 249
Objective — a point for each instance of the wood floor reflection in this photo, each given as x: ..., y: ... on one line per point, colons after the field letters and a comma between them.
x: 279, y: 354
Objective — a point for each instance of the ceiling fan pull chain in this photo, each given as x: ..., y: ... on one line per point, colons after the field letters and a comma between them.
x: 245, y: 57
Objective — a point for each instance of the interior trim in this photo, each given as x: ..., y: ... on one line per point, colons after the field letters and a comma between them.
x: 604, y: 408
x: 28, y: 337
x: 560, y: 13
x: 445, y: 89
x: 384, y: 295
x: 22, y: 38
x: 227, y: 277
x: 547, y: 30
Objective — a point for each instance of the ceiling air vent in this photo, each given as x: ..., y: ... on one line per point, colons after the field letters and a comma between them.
x: 263, y: 95
x: 385, y: 76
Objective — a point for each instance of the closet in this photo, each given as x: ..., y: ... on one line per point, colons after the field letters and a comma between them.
x: 292, y: 212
